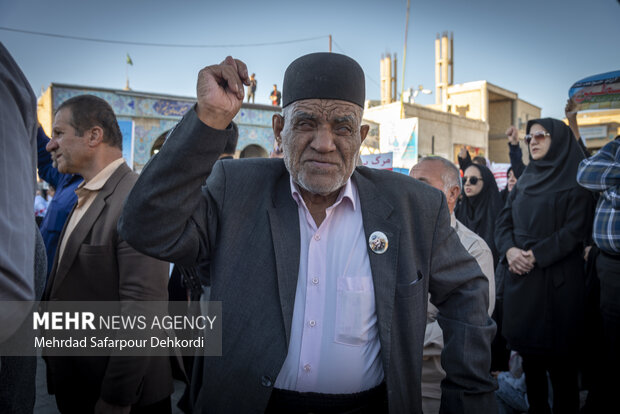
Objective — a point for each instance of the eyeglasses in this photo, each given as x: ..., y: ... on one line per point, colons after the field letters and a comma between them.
x: 472, y: 180
x: 539, y: 135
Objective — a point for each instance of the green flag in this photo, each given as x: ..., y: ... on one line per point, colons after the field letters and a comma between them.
x: 129, y: 61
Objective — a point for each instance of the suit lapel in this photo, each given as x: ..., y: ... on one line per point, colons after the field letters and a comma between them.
x: 284, y: 220
x: 376, y: 213
x: 82, y: 229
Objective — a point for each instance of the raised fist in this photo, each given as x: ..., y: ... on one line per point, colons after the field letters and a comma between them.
x: 513, y: 135
x: 570, y: 110
x: 220, y: 92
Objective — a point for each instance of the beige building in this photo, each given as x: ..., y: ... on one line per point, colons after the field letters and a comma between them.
x: 598, y: 127
x: 496, y: 106
x: 473, y: 114
x: 438, y: 132
x: 482, y: 100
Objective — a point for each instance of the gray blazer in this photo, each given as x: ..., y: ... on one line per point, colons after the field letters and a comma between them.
x: 246, y: 223
x: 18, y: 157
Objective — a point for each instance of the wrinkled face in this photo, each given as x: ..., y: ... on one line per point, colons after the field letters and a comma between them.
x: 321, y: 139
x: 512, y: 180
x: 469, y: 188
x: 69, y: 151
x: 539, y: 146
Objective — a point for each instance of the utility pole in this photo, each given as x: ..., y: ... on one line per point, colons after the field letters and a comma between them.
x: 330, y: 43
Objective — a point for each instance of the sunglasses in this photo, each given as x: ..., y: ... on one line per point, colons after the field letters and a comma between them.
x: 539, y: 135
x: 472, y: 180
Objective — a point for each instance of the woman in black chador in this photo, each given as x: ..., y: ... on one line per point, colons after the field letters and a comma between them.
x: 480, y: 205
x: 511, y: 180
x: 540, y: 231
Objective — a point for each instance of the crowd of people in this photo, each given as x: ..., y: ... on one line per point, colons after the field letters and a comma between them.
x: 344, y: 289
x: 551, y: 310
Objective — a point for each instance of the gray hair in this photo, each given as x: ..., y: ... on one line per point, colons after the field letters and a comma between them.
x: 450, y: 174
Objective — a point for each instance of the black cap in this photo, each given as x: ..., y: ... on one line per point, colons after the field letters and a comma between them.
x: 324, y: 76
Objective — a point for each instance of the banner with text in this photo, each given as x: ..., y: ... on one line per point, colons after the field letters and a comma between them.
x: 600, y: 91
x: 378, y: 161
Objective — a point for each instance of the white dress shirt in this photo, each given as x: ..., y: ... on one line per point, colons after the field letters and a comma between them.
x: 334, y: 346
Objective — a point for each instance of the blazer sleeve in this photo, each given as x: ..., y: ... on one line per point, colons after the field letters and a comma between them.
x: 460, y: 291
x: 166, y: 214
x: 17, y: 186
x: 141, y: 279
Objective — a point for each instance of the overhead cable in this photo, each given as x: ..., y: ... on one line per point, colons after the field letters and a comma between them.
x: 172, y: 45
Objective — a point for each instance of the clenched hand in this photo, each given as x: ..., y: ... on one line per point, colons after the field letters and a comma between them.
x: 220, y: 92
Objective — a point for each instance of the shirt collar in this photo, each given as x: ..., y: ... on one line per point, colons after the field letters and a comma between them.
x: 349, y: 191
x: 102, y: 176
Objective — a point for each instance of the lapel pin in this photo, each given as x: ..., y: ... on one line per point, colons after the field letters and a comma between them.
x: 378, y: 242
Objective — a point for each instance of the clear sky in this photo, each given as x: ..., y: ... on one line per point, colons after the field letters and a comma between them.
x: 537, y: 48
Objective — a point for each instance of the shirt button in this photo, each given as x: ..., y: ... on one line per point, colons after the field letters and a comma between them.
x: 317, y: 237
x: 315, y: 280
x: 312, y: 323
x: 307, y: 367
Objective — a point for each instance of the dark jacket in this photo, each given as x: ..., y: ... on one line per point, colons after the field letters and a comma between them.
x: 98, y: 265
x: 246, y: 221
x: 543, y: 310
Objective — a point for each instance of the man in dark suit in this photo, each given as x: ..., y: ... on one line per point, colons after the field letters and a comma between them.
x: 93, y: 263
x: 323, y: 269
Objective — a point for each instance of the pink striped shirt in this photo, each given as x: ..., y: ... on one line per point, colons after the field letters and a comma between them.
x: 334, y: 346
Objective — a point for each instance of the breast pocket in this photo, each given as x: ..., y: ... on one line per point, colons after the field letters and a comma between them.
x: 355, y: 310
x: 90, y: 249
x: 405, y: 290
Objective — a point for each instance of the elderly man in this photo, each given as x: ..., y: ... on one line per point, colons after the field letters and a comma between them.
x: 322, y: 269
x: 93, y: 263
x: 440, y: 173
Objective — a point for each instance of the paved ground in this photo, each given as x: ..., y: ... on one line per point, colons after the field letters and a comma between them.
x: 46, y: 404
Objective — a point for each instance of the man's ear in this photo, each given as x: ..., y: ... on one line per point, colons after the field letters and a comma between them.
x: 277, y: 123
x: 454, y: 193
x: 364, y: 131
x: 95, y: 136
